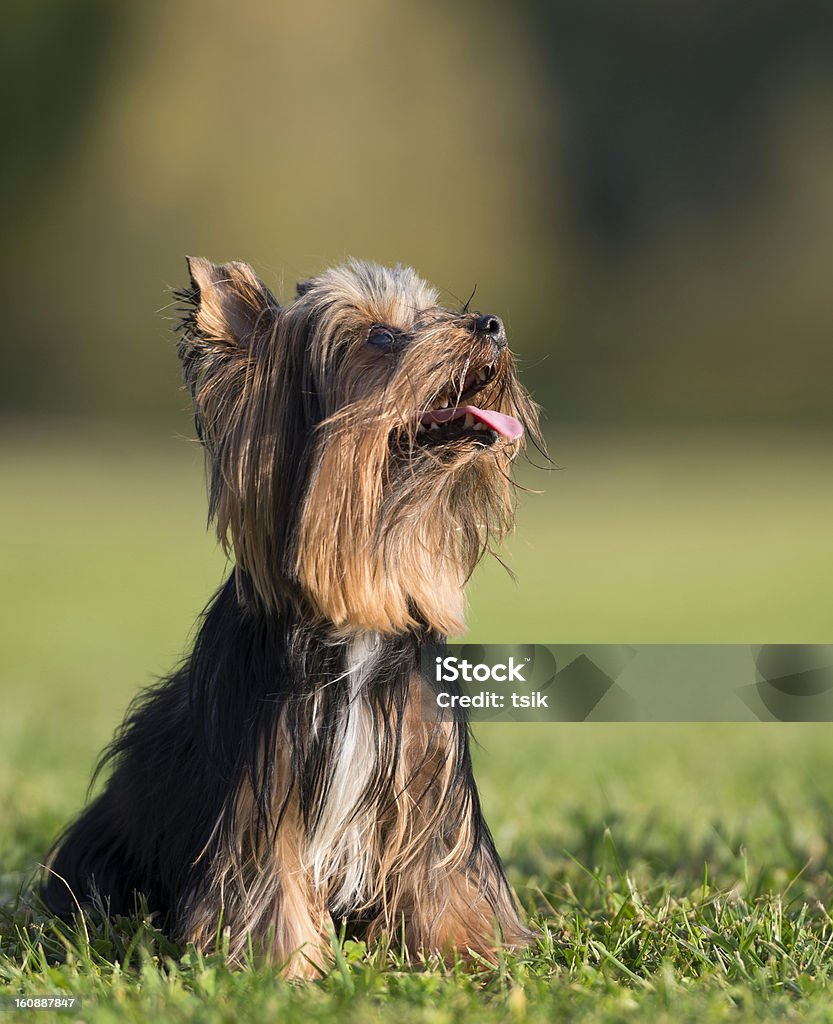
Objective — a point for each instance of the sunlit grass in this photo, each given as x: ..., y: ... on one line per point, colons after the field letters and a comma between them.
x: 674, y: 872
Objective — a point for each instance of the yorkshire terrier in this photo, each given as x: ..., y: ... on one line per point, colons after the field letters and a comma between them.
x: 358, y: 443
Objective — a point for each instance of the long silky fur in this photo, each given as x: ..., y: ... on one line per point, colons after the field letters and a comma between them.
x: 352, y: 543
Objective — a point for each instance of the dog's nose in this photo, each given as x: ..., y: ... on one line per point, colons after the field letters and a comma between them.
x: 491, y: 327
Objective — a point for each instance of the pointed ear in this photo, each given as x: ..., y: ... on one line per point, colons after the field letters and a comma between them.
x: 225, y: 311
x: 231, y: 305
x: 302, y: 287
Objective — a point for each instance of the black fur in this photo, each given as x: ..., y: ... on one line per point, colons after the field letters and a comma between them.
x: 178, y: 762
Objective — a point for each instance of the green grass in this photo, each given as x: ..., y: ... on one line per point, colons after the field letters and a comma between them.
x: 673, y: 873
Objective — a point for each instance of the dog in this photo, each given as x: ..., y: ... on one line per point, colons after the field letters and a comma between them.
x: 358, y: 445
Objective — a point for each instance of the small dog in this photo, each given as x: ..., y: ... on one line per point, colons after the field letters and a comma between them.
x: 285, y: 776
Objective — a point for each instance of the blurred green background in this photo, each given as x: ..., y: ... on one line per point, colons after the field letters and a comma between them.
x: 643, y: 191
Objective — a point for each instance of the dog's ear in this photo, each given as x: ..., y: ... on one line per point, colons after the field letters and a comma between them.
x: 239, y: 360
x: 302, y: 287
x: 231, y: 305
x: 225, y: 312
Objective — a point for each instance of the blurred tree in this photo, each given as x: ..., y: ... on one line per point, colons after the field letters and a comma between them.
x: 667, y: 100
x: 644, y: 190
x: 53, y: 60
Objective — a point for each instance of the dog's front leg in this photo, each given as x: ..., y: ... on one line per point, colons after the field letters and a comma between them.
x: 268, y: 904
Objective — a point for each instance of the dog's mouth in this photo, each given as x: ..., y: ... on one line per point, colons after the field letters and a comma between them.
x: 452, y: 416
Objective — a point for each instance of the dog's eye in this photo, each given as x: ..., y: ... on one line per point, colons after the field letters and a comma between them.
x: 385, y: 339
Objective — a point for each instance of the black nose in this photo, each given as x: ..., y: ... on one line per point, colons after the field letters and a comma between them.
x: 491, y: 327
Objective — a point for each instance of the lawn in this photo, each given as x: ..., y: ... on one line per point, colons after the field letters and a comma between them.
x: 673, y: 872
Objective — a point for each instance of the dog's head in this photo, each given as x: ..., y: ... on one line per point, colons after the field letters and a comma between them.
x: 359, y: 438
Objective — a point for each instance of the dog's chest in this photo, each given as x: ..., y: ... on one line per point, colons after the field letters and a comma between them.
x: 341, y: 851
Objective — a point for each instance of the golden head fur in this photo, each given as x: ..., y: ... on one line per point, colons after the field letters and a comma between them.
x: 332, y: 479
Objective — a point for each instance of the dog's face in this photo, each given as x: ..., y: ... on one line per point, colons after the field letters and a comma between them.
x: 359, y: 438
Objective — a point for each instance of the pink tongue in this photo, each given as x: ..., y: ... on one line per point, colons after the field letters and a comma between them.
x: 506, y: 426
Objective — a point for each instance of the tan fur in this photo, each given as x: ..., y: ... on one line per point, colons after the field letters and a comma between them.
x: 387, y: 537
